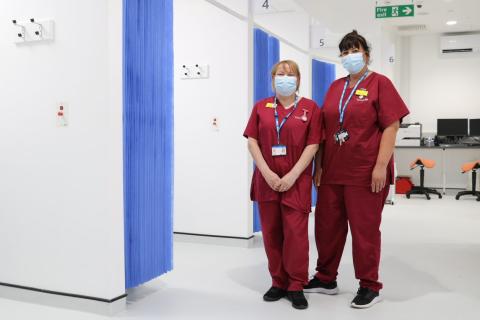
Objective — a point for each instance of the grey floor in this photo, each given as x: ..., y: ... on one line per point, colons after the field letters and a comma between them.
x: 430, y: 269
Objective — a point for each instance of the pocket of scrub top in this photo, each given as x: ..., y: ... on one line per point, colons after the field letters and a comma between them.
x: 363, y: 113
x: 299, y: 131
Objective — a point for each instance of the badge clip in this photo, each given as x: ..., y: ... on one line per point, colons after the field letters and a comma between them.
x: 341, y: 136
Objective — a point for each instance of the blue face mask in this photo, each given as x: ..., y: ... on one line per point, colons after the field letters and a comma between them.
x: 285, y: 85
x: 353, y: 62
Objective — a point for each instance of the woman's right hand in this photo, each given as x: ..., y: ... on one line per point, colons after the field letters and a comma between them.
x: 317, y: 177
x: 273, y: 180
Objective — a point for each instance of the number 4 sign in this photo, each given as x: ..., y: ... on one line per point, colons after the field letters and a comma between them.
x: 263, y: 6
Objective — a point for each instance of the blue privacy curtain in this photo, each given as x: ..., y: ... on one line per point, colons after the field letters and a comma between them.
x: 266, y: 55
x: 148, y: 138
x: 323, y: 74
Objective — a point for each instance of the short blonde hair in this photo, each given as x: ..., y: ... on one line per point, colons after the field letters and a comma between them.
x: 293, y: 67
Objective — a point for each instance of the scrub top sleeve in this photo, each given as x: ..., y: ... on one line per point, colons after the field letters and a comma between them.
x: 390, y: 107
x: 315, y: 130
x: 251, y: 131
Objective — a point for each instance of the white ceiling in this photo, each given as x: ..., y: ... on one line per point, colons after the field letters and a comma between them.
x: 343, y: 15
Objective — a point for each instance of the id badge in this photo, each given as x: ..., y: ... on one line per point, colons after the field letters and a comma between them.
x: 279, y: 150
x: 341, y: 136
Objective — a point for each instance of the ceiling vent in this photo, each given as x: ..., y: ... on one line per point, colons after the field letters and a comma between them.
x: 412, y: 28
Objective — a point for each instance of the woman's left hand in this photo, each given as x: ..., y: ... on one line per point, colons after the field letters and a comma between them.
x: 287, y: 182
x: 379, y: 178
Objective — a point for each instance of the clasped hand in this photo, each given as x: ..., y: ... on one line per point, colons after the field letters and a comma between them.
x: 281, y: 184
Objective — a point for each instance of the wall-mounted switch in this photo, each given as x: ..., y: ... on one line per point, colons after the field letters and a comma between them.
x: 194, y: 71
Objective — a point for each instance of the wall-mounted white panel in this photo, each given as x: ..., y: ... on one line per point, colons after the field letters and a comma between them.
x: 211, y: 162
x: 61, y: 208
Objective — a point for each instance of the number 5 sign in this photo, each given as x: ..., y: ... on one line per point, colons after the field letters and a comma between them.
x: 321, y: 38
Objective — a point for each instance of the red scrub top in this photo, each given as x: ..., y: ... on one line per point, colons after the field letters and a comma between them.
x: 365, y: 119
x: 296, y: 134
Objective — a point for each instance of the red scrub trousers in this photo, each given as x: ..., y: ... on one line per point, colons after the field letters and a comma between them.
x: 285, y: 236
x: 338, y: 207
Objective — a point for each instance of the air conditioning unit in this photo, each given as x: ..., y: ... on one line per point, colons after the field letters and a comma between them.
x: 460, y: 43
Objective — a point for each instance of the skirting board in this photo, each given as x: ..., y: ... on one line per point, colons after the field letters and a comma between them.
x: 61, y: 300
x: 215, y: 240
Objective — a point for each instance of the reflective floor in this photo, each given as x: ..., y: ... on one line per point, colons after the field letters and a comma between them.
x: 430, y: 269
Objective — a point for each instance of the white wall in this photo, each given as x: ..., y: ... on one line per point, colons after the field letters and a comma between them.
x: 291, y: 26
x: 402, y: 61
x: 388, y: 43
x: 212, y: 179
x: 239, y: 7
x: 441, y: 86
x: 61, y: 198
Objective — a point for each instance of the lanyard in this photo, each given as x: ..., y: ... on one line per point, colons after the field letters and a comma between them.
x: 342, y: 107
x: 279, y: 126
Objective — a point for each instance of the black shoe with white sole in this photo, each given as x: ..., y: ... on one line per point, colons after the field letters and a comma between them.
x: 317, y: 286
x: 298, y: 299
x: 365, y: 298
x: 274, y: 294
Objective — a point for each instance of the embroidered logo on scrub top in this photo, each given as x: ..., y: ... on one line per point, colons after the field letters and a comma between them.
x: 303, y: 117
x: 362, y: 94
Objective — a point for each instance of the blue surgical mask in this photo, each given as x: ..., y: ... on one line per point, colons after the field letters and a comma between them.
x: 285, y: 85
x: 353, y: 62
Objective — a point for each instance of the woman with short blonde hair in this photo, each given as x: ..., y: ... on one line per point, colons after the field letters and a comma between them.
x: 283, y: 133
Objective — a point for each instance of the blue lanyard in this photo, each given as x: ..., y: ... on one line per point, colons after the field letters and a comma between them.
x: 342, y: 107
x: 279, y: 126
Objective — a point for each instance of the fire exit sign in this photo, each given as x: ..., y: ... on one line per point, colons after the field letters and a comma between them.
x: 395, y: 11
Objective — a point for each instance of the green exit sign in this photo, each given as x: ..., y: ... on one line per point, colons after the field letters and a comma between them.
x: 395, y: 11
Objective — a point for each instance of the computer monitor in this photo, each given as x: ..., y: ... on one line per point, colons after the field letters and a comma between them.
x: 452, y: 127
x: 475, y: 127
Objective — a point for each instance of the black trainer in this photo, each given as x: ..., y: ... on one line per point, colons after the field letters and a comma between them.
x: 274, y: 294
x: 317, y: 286
x: 298, y: 299
x: 365, y: 298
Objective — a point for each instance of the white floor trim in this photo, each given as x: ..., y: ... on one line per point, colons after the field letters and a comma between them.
x: 216, y: 240
x: 64, y: 302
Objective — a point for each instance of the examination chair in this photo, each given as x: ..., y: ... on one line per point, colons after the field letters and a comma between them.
x: 471, y: 166
x: 423, y: 163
